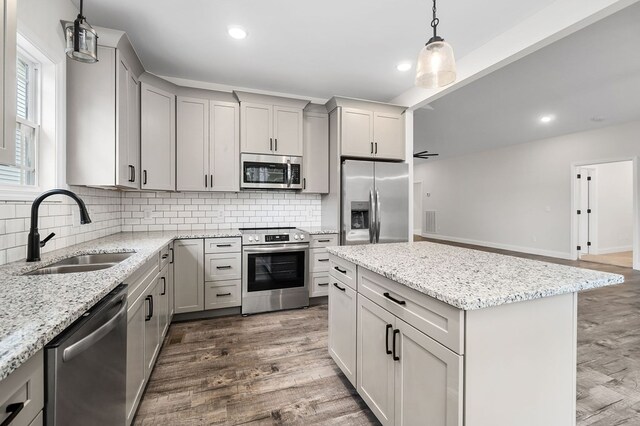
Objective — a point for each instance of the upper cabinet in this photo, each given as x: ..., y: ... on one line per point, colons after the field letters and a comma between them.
x: 103, y: 118
x: 315, y: 167
x: 7, y: 85
x: 158, y: 137
x: 270, y: 124
x: 208, y: 140
x: 369, y: 129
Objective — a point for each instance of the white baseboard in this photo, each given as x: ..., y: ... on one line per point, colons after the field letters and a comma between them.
x: 528, y: 250
x: 610, y: 250
x: 417, y: 231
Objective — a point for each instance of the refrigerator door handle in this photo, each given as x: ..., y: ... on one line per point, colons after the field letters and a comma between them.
x: 378, y: 221
x: 372, y: 222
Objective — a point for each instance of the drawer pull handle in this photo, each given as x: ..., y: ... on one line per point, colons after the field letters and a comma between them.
x: 339, y: 288
x: 342, y: 271
x: 223, y: 245
x: 399, y: 302
x: 164, y: 286
x: 323, y: 284
x: 386, y: 339
x: 164, y: 256
x: 14, y: 409
x: 222, y: 294
x: 395, y: 333
x: 224, y: 267
x: 323, y: 260
x: 324, y: 241
x: 149, y: 299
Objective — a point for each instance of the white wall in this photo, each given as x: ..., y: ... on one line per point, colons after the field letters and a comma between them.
x: 518, y: 197
x: 613, y: 207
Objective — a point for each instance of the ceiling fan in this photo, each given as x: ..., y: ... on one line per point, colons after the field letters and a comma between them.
x: 424, y: 155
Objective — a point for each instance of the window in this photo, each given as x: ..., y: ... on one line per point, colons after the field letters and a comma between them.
x: 24, y: 172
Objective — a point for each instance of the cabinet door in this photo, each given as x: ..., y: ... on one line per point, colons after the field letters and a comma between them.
x: 428, y: 380
x: 287, y: 131
x: 192, y: 144
x: 256, y: 135
x: 8, y: 83
x: 151, y: 327
x: 133, y: 109
x: 357, y: 133
x: 315, y: 169
x: 163, y: 303
x: 388, y: 134
x: 224, y: 146
x: 158, y: 121
x: 123, y: 163
x: 375, y: 366
x: 170, y: 279
x: 342, y: 327
x: 189, y: 275
x: 136, y: 326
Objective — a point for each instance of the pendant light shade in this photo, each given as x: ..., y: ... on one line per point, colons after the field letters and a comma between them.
x: 436, y: 62
x: 81, y: 39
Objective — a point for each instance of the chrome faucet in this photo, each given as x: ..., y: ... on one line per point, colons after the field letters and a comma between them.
x: 34, y: 243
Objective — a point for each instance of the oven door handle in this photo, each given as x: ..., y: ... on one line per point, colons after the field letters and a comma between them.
x: 289, y: 174
x: 276, y: 248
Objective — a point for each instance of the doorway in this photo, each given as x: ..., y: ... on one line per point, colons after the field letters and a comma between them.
x: 605, y: 213
x: 417, y: 208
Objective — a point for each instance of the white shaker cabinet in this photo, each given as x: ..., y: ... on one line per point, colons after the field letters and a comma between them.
x: 342, y: 327
x: 208, y: 141
x: 357, y: 133
x: 8, y: 24
x: 188, y: 275
x: 103, y: 130
x: 136, y: 313
x: 271, y: 124
x: 151, y: 327
x: 158, y: 148
x: 315, y: 167
x: 388, y: 136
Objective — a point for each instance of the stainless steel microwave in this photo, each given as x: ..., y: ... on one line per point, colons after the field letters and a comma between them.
x: 270, y: 172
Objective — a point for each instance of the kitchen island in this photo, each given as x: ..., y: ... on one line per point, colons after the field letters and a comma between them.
x: 441, y: 335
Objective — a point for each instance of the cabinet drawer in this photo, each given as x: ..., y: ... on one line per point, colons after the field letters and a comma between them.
x: 25, y: 385
x: 319, y: 285
x: 343, y: 271
x: 321, y: 241
x: 440, y: 321
x: 222, y: 245
x: 224, y: 294
x: 318, y: 260
x: 165, y: 257
x: 141, y: 278
x: 222, y: 267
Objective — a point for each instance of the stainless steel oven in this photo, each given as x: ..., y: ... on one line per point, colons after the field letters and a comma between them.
x: 274, y: 270
x: 270, y: 172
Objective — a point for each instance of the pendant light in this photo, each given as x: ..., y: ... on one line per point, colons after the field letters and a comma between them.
x: 436, y: 64
x: 82, y: 40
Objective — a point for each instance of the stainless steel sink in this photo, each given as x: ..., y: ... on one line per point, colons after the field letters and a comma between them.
x: 83, y: 263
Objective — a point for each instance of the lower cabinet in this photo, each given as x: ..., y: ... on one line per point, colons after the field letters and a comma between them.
x: 151, y: 328
x: 135, y: 354
x: 342, y: 328
x: 22, y: 393
x: 189, y: 275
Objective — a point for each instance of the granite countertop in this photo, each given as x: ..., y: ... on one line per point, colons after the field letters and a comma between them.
x: 318, y: 230
x: 471, y: 279
x: 36, y: 308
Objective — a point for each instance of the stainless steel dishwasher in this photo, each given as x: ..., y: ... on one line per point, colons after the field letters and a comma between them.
x: 86, y: 367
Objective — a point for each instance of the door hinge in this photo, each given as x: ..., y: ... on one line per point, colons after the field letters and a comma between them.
x: 579, y: 248
x: 588, y: 243
x: 579, y: 212
x: 588, y: 177
x: 579, y: 176
x: 588, y: 210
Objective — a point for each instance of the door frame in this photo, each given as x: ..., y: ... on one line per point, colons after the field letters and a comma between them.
x: 417, y: 203
x: 636, y: 204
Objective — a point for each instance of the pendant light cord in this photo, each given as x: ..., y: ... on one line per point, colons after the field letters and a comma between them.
x: 434, y: 22
x: 81, y: 16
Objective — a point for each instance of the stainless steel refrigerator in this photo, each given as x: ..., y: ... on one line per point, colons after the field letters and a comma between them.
x: 374, y: 203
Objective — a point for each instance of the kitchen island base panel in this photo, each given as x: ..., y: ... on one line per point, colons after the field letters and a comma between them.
x: 520, y: 363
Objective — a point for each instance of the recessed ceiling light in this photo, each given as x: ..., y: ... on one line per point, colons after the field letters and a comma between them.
x: 547, y: 118
x: 236, y: 32
x: 404, y: 66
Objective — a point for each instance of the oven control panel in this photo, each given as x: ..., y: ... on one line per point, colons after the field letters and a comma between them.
x: 276, y: 238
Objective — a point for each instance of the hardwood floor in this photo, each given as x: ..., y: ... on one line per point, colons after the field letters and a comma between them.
x: 274, y: 368
x: 624, y: 259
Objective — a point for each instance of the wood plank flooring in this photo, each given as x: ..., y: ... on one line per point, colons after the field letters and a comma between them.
x: 623, y: 259
x: 274, y: 369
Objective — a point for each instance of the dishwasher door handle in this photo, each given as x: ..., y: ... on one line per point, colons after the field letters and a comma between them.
x: 80, y: 346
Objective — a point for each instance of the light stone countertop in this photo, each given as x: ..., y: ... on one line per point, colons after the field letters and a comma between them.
x: 36, y: 308
x: 471, y: 279
x: 318, y: 230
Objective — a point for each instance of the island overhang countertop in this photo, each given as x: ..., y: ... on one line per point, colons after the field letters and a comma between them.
x: 471, y: 279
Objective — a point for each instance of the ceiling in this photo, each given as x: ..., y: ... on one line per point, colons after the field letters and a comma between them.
x: 312, y: 48
x: 593, y: 73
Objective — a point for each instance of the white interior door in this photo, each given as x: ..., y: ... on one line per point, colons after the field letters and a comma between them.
x: 585, y: 197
